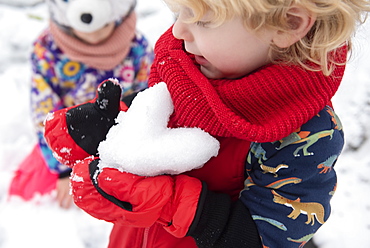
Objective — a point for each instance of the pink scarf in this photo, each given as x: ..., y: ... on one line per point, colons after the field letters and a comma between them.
x: 103, y: 56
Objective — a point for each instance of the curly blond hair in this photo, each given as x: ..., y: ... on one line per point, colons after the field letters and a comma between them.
x: 336, y: 22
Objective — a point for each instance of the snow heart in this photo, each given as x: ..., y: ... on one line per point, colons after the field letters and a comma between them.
x: 142, y: 144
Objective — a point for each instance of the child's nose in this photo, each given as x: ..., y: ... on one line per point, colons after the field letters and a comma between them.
x: 180, y: 31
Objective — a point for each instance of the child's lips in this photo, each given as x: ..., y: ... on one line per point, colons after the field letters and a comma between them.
x: 201, y: 60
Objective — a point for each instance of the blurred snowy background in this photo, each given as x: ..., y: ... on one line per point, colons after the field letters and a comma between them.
x: 41, y: 223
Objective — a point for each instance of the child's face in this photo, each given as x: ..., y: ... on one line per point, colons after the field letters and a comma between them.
x: 97, y: 36
x: 225, y: 51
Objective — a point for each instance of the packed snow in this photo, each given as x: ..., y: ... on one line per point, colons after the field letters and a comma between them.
x: 144, y: 128
x: 41, y: 223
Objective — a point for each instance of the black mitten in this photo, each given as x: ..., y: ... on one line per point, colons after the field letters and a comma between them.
x: 89, y: 123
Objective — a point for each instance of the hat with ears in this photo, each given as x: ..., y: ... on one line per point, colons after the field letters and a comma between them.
x: 89, y: 15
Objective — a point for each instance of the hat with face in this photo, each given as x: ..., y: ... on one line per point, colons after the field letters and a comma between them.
x: 89, y: 15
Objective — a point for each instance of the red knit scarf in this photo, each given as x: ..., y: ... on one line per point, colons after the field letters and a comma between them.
x: 104, y: 56
x: 264, y: 106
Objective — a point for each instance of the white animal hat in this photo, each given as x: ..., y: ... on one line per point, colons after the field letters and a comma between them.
x: 89, y: 15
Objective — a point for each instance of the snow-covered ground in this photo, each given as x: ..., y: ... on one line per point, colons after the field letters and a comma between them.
x: 41, y: 223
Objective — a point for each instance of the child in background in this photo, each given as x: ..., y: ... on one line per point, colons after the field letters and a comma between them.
x: 258, y: 76
x: 87, y: 41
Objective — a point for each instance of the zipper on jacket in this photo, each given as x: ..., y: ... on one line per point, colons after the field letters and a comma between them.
x: 145, y: 237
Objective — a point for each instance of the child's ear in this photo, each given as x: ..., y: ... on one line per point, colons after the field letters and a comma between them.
x: 300, y: 22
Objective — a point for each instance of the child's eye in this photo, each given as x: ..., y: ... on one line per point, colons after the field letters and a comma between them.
x: 202, y: 23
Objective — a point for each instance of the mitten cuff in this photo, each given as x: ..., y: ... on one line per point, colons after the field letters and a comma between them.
x: 220, y: 221
x: 178, y: 215
x: 56, y: 135
x: 211, y: 217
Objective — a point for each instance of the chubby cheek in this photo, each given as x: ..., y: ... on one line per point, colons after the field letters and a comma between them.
x: 230, y: 66
x: 236, y: 63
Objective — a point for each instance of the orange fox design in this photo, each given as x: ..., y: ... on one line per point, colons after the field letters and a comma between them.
x: 311, y: 209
